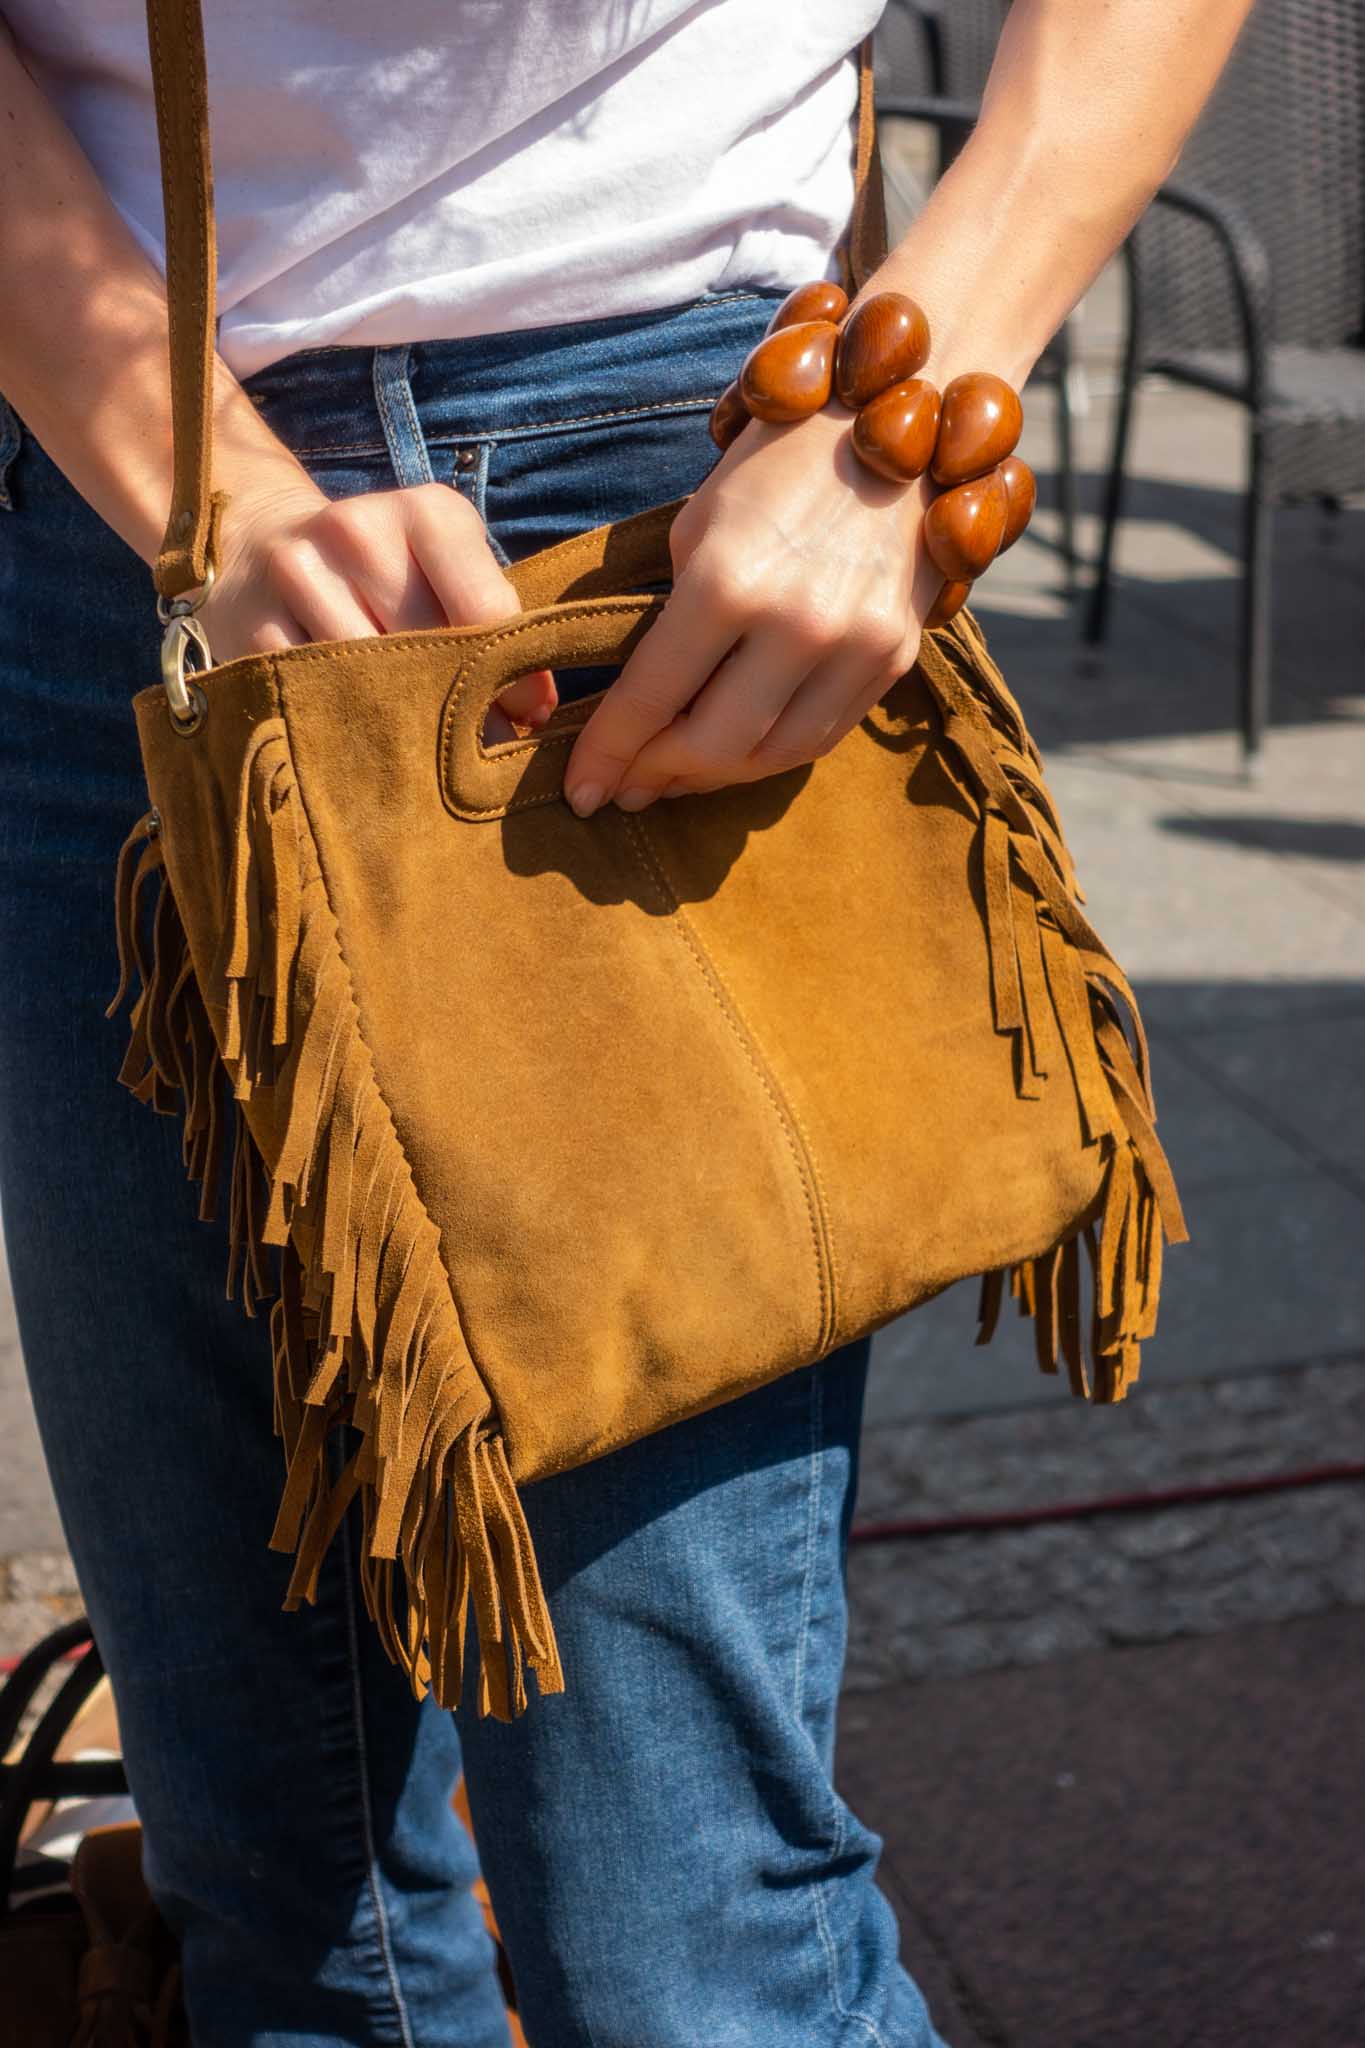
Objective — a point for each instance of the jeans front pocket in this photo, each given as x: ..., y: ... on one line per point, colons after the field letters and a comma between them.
x: 466, y: 467
x: 544, y: 483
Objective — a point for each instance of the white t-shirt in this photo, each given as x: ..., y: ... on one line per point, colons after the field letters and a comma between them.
x: 407, y: 170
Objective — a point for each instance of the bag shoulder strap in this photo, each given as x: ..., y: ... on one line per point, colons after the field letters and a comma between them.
x: 175, y: 35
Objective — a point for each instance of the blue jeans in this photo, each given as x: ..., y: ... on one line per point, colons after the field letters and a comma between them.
x: 669, y: 1860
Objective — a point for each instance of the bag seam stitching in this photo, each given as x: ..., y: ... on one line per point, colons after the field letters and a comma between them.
x: 790, y: 1123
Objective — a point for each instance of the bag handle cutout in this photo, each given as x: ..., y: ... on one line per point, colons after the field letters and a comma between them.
x: 480, y: 782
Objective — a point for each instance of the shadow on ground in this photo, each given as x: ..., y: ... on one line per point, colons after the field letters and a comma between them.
x: 1147, y: 1848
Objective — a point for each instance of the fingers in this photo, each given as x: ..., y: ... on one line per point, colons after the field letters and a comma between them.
x: 822, y: 711
x: 449, y: 544
x: 402, y: 561
x: 799, y: 680
x: 273, y: 634
x: 391, y: 562
x: 692, y: 635
x: 830, y: 703
x: 528, y: 701
x: 322, y: 599
x: 741, y: 700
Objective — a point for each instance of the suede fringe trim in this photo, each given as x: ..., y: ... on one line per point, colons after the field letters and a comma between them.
x: 1062, y: 998
x: 365, y: 1329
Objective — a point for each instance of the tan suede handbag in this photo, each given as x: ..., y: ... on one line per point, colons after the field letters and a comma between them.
x: 567, y: 1129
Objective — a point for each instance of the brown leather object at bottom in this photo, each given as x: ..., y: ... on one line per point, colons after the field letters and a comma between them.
x: 571, y: 1128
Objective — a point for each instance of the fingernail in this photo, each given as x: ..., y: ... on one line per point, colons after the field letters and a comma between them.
x: 584, y: 798
x: 633, y: 799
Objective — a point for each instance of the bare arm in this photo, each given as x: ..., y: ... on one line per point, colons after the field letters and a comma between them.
x: 83, y: 359
x: 801, y: 573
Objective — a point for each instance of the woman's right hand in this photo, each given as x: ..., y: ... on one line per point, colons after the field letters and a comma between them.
x: 298, y: 566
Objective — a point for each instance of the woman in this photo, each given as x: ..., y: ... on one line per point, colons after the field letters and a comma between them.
x: 483, y: 270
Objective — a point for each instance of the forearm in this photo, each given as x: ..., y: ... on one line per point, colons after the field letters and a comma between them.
x: 1086, y: 109
x: 83, y: 354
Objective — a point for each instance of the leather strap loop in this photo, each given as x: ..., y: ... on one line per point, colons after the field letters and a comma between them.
x: 864, y: 242
x: 175, y: 36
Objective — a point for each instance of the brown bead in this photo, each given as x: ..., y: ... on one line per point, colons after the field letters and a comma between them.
x: 981, y: 421
x: 788, y: 376
x: 729, y: 416
x: 884, y: 339
x: 963, y: 527
x: 818, y: 301
x: 895, y: 431
x: 946, y: 605
x: 1021, y: 495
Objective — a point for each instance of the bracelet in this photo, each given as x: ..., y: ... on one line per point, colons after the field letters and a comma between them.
x: 963, y: 437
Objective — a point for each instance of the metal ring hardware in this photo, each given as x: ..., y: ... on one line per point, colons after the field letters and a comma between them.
x: 185, y: 701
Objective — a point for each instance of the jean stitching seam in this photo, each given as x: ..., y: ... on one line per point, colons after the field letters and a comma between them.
x: 654, y: 409
x: 480, y: 496
x: 822, y: 1926
x: 812, y: 1529
x: 400, y: 2009
x: 692, y: 403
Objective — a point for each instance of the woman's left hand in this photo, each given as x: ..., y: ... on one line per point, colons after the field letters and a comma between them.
x: 800, y: 586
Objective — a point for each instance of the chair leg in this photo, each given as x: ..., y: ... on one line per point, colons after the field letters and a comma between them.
x: 1097, y: 611
x: 1255, y: 621
x: 1066, y: 463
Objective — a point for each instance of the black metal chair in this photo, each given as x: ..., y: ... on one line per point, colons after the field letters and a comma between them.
x: 1246, y: 278
x: 932, y: 64
x: 32, y: 1773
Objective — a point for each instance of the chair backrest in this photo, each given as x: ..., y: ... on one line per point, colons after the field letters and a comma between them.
x: 1283, y: 140
x: 968, y: 31
x: 906, y: 45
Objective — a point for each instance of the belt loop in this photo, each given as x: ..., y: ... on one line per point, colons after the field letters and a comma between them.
x: 398, y: 415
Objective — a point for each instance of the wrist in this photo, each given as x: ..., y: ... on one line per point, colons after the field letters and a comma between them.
x: 262, y: 480
x: 863, y: 363
x: 969, y: 330
x: 994, y: 288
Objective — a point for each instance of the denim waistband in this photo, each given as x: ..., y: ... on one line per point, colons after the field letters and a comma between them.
x: 497, y: 387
